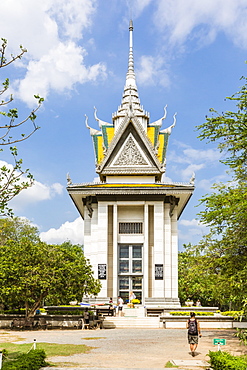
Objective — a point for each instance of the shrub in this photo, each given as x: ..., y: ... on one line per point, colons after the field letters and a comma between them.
x: 18, y: 311
x: 186, y: 313
x: 33, y: 360
x: 234, y: 314
x: 66, y: 312
x: 242, y: 335
x: 223, y: 360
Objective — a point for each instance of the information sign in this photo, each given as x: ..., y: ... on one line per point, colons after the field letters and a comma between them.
x: 158, y: 272
x: 222, y: 342
x: 102, y: 271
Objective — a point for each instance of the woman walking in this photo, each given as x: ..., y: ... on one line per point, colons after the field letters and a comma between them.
x: 194, y: 331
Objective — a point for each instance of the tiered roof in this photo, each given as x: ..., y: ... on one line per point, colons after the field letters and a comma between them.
x: 143, y: 144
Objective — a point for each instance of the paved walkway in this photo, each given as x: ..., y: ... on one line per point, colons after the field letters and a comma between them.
x: 129, y: 348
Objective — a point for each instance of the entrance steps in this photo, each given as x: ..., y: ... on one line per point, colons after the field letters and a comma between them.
x: 131, y: 322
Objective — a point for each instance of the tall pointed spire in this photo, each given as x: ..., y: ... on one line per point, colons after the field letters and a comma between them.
x: 130, y: 105
x: 130, y: 77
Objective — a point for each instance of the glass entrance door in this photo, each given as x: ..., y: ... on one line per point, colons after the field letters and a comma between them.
x: 130, y: 270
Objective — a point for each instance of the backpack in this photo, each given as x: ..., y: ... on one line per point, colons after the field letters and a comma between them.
x: 192, y: 327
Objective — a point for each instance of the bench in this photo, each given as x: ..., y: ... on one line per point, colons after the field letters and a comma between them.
x: 23, y: 323
x: 93, y: 322
x: 29, y: 323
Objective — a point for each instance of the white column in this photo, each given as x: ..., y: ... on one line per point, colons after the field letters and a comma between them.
x: 174, y: 254
x: 94, y: 240
x: 87, y: 234
x: 145, y: 254
x: 102, y: 241
x: 158, y: 258
x: 115, y: 251
x: 167, y: 253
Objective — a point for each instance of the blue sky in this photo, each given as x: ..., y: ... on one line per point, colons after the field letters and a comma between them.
x: 188, y: 54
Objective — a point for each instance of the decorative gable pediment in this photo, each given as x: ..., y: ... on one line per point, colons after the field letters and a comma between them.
x: 130, y: 153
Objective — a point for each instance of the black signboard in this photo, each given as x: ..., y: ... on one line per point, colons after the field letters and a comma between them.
x: 158, y: 272
x: 102, y: 271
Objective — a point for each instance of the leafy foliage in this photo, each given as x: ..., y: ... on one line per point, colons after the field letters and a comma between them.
x: 11, y: 183
x: 237, y: 315
x: 12, y: 114
x: 33, y: 360
x: 186, y: 313
x: 194, y: 281
x: 216, y: 269
x: 32, y: 271
x: 242, y: 333
x: 16, y: 228
x: 229, y: 129
x: 223, y: 360
x: 225, y: 208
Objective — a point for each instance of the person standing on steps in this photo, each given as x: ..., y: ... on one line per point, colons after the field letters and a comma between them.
x: 194, y: 331
x: 120, y: 306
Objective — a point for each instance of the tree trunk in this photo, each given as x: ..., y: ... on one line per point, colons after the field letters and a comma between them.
x: 35, y: 306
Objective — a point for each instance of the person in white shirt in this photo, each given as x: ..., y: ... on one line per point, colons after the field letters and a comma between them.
x: 131, y: 297
x: 120, y: 306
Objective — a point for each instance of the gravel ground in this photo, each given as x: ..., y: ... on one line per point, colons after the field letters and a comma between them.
x: 128, y: 348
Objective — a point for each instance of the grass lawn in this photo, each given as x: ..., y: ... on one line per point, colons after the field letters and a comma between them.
x: 51, y: 349
x: 93, y: 338
x: 169, y: 364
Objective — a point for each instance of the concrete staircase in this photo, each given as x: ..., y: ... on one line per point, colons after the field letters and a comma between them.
x: 132, y: 322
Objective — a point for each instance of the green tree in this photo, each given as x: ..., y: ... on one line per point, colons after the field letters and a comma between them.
x: 194, y: 281
x: 225, y: 209
x: 15, y: 228
x: 208, y: 272
x: 11, y: 183
x: 229, y: 130
x: 32, y: 271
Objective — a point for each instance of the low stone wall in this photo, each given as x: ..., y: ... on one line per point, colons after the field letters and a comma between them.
x: 240, y: 325
x: 53, y: 321
x: 160, y: 310
x: 166, y: 322
x: 206, y: 322
x: 192, y: 309
x: 6, y: 320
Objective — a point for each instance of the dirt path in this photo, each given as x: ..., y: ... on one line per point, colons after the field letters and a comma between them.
x: 128, y: 348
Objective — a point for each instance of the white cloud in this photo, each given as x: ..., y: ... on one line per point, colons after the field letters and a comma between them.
x: 37, y: 193
x: 203, y: 20
x: 209, y: 155
x: 191, y: 231
x: 7, y: 165
x: 72, y: 16
x: 191, y: 223
x: 192, y: 160
x: 187, y: 172
x: 151, y: 71
x: 137, y: 6
x: 190, y: 154
x: 60, y: 69
x: 50, y: 30
x: 72, y: 231
x: 166, y: 179
x: 206, y: 184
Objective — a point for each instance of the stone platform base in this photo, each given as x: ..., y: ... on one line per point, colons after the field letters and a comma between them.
x: 206, y: 322
x: 132, y: 322
x: 162, y: 302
